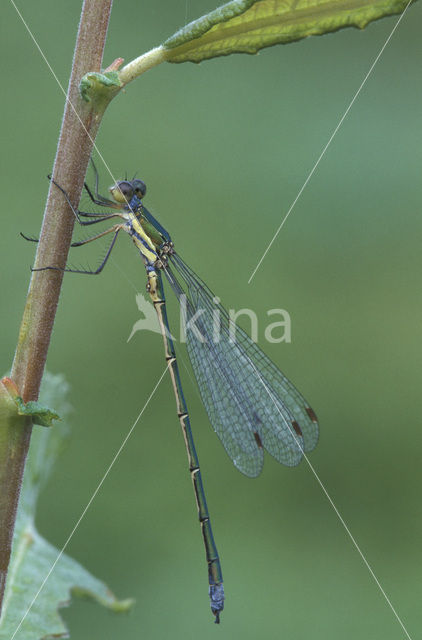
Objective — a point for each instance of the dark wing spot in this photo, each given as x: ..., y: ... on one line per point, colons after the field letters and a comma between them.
x: 258, y: 439
x: 311, y: 413
x: 296, y: 428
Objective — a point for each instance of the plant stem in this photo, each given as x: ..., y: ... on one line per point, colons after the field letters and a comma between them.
x: 79, y: 128
x: 141, y: 64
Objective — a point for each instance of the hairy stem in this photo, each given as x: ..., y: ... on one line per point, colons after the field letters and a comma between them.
x: 79, y: 128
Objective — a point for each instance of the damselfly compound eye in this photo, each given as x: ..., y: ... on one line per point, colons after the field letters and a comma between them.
x: 139, y: 187
x: 122, y: 191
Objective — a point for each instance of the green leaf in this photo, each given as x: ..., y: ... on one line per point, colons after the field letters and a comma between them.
x: 246, y: 26
x: 33, y: 557
x: 99, y: 87
x: 40, y: 415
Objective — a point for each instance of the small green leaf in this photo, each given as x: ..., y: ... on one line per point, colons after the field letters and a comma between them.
x: 95, y: 87
x: 246, y: 26
x: 33, y: 558
x: 40, y: 415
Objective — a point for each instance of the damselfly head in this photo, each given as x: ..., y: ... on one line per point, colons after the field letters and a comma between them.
x: 124, y: 190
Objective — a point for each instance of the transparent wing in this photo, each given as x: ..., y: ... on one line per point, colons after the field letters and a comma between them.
x: 250, y: 403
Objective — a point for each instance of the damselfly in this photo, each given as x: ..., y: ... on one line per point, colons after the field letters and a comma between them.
x: 252, y: 406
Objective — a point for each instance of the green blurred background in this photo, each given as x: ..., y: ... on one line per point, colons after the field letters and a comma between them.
x: 224, y: 148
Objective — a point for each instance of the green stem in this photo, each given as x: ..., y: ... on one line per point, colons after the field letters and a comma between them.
x: 79, y: 129
x: 141, y: 64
